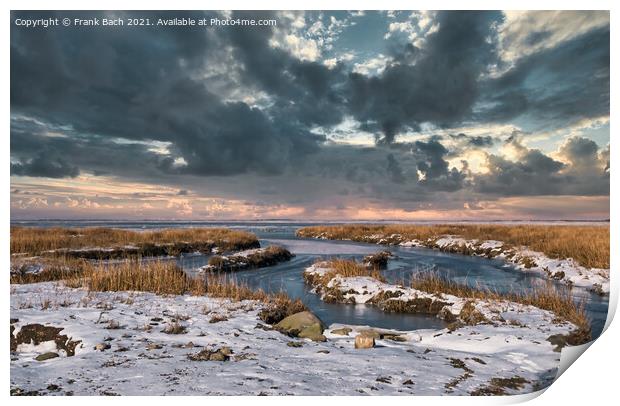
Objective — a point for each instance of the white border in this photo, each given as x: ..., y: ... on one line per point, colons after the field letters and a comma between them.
x: 593, y: 377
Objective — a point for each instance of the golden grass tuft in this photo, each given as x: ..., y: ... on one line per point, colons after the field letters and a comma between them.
x: 223, y: 287
x: 343, y: 267
x: 166, y: 278
x: 588, y: 245
x: 133, y: 275
x: 546, y: 297
x: 34, y: 241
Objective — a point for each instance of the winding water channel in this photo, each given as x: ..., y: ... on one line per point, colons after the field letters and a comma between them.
x: 287, y: 276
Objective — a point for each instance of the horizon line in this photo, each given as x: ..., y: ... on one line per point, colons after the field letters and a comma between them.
x: 308, y: 220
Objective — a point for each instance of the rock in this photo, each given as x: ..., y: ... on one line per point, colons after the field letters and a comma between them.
x: 378, y: 260
x: 218, y: 356
x: 272, y: 315
x: 446, y: 315
x: 38, y: 333
x: 455, y: 325
x: 217, y: 318
x: 244, y: 356
x: 408, y: 382
x: 222, y: 354
x: 395, y: 337
x: 279, y: 310
x: 45, y: 356
x: 471, y: 316
x: 369, y: 332
x: 295, y: 344
x: 362, y: 341
x: 102, y: 346
x: 263, y: 327
x: 303, y: 325
x: 342, y: 331
x: 558, y: 275
x: 576, y: 337
x: 597, y: 288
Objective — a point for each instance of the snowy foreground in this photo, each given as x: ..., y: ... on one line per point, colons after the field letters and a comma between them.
x: 124, y: 351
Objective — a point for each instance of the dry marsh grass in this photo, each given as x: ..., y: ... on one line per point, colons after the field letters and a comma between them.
x: 546, y: 297
x: 343, y: 267
x: 588, y: 245
x: 34, y: 241
x: 134, y: 275
x: 166, y: 278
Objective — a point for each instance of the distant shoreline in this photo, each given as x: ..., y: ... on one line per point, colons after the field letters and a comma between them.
x: 298, y: 221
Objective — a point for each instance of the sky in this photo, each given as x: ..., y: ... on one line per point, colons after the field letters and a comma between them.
x: 337, y: 115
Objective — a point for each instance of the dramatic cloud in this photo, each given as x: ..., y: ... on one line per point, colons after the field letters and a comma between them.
x: 554, y: 87
x: 534, y: 173
x: 409, y: 112
x: 439, y: 87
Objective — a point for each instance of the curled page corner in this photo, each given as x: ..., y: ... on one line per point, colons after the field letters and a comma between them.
x: 570, y: 354
x: 522, y: 398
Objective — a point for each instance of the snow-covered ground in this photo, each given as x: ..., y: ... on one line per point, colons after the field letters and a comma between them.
x: 566, y: 270
x: 142, y: 360
x: 536, y: 324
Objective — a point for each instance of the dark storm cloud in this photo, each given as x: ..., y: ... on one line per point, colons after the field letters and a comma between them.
x: 534, y: 173
x: 537, y: 37
x: 36, y: 153
x: 508, y: 178
x: 588, y: 165
x: 45, y: 165
x: 97, y: 100
x: 400, y: 163
x: 394, y: 170
x: 440, y: 88
x: 475, y: 140
x: 142, y: 87
x: 306, y: 93
x: 581, y: 152
x: 555, y: 86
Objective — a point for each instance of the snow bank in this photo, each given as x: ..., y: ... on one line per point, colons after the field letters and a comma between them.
x: 136, y: 358
x: 566, y: 270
